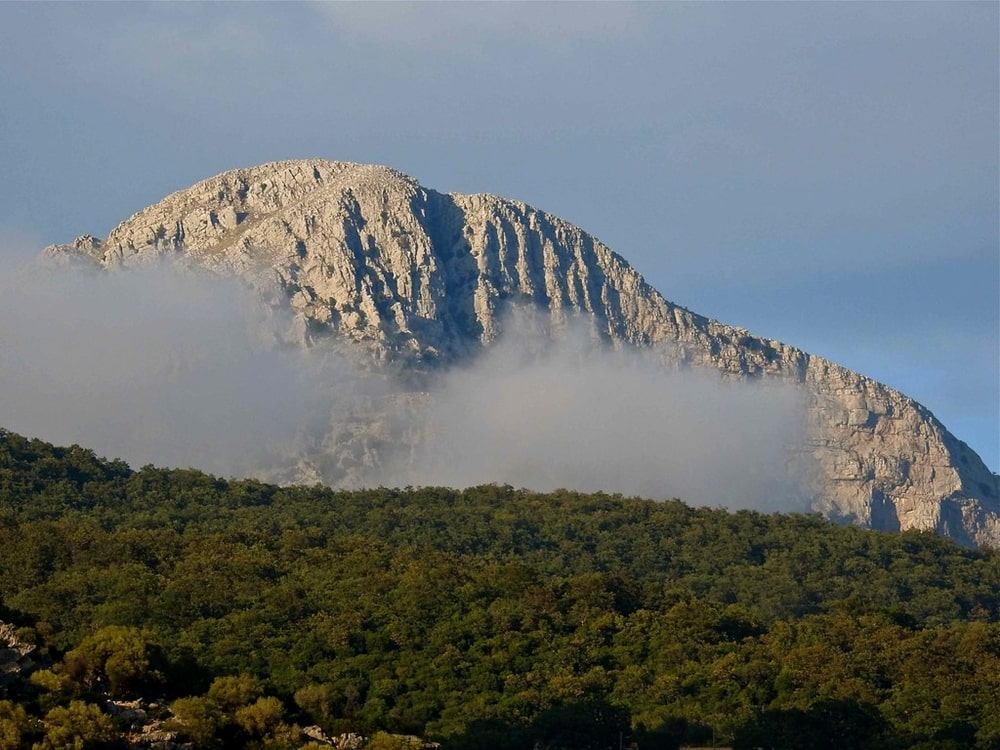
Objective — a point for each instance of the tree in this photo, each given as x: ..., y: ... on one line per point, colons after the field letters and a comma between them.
x: 225, y: 712
x: 231, y: 693
x: 317, y: 699
x: 116, y: 658
x: 15, y: 726
x: 196, y: 718
x: 826, y: 725
x: 78, y: 726
x: 386, y: 741
x: 260, y: 718
x: 593, y: 723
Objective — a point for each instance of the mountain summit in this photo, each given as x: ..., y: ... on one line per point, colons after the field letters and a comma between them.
x: 422, y: 279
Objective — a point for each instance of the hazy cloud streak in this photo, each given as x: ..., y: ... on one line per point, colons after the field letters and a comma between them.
x: 544, y: 415
x: 164, y: 366
x: 153, y: 366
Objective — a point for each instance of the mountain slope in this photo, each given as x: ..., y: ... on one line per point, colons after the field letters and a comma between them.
x: 422, y: 279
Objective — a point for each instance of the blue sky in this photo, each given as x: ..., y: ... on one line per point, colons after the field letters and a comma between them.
x: 825, y: 174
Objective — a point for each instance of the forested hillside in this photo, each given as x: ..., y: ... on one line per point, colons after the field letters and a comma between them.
x: 481, y: 618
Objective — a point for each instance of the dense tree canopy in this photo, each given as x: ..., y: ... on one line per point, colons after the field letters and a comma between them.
x: 486, y: 617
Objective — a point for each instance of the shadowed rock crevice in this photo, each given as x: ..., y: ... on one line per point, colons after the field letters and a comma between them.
x: 422, y: 280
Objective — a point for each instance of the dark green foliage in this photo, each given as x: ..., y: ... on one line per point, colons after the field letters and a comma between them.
x: 826, y: 725
x: 78, y: 726
x: 117, y: 659
x: 491, y: 617
x: 16, y: 727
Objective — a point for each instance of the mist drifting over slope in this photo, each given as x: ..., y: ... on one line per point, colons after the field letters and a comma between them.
x: 168, y: 366
x: 547, y: 414
x: 156, y: 365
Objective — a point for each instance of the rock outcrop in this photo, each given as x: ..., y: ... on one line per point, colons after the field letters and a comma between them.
x: 17, y: 658
x: 422, y: 279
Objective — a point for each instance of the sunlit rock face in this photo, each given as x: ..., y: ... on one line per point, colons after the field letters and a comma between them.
x: 422, y: 280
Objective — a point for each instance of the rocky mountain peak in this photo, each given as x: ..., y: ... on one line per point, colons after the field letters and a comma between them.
x: 423, y: 279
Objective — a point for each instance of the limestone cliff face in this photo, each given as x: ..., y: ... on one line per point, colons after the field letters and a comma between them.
x: 423, y: 279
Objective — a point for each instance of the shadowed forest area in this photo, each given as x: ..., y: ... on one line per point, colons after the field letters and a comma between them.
x: 489, y: 617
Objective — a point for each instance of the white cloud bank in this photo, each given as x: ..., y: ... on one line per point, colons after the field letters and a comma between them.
x: 546, y: 416
x: 152, y: 366
x: 165, y: 367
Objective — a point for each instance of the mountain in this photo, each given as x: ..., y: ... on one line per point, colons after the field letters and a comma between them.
x: 421, y: 280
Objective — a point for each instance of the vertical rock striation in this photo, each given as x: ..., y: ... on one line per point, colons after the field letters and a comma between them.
x: 422, y: 279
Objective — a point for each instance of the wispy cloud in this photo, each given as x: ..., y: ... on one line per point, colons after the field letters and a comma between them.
x: 152, y: 366
x: 161, y: 366
x: 547, y: 414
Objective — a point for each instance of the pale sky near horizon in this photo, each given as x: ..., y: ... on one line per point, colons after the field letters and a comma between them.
x: 824, y: 174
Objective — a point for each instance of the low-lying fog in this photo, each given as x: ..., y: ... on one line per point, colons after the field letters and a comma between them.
x: 174, y: 368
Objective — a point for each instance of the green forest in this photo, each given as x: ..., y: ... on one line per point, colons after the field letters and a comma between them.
x: 489, y: 617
